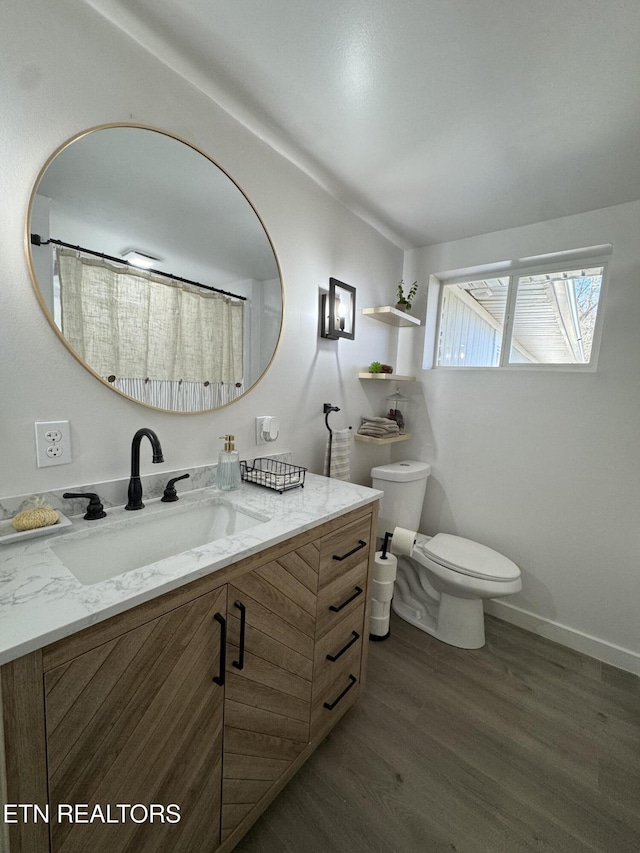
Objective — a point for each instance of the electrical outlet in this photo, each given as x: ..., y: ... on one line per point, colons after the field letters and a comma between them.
x: 53, y: 443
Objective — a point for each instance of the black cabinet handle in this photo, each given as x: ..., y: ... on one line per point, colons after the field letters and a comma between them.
x: 354, y: 637
x: 352, y: 681
x: 219, y: 679
x: 239, y: 664
x: 336, y: 609
x: 361, y: 544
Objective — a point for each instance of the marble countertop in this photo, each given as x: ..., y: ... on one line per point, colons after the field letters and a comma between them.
x: 42, y: 601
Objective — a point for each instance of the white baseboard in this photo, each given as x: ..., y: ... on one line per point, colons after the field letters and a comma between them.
x: 588, y: 645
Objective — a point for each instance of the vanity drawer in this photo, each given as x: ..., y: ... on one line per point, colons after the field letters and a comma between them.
x: 343, y: 549
x: 341, y: 597
x: 326, y: 710
x: 337, y: 678
x: 342, y: 643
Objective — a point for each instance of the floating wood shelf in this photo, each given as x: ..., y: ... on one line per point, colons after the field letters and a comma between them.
x: 373, y: 440
x: 390, y: 315
x: 388, y: 376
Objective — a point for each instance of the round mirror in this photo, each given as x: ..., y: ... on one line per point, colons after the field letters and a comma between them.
x: 154, y: 268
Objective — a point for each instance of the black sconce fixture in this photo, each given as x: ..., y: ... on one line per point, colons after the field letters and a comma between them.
x: 339, y: 311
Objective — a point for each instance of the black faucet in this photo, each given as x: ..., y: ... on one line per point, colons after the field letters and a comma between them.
x: 135, y: 486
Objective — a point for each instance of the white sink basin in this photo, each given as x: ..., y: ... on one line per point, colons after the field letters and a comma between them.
x: 147, y: 536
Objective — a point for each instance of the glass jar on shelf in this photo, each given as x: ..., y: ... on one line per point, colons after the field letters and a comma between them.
x: 398, y: 410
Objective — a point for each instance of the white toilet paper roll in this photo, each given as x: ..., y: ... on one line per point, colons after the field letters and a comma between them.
x: 379, y: 627
x: 403, y: 541
x: 385, y: 569
x: 382, y: 590
x: 379, y: 609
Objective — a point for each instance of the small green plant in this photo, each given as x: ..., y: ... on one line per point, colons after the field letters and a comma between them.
x: 408, y: 299
x: 375, y: 367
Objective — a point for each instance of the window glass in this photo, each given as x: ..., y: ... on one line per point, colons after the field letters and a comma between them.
x: 555, y: 316
x: 538, y: 316
x: 472, y: 323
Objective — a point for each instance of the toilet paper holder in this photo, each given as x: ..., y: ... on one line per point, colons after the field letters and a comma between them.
x: 384, y: 575
x: 406, y: 540
x: 385, y: 545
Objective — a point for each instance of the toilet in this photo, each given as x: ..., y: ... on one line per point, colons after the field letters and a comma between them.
x: 440, y: 587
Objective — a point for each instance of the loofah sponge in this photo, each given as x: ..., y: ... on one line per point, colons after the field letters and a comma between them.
x: 30, y: 519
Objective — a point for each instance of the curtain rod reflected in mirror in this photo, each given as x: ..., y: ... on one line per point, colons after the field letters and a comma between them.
x: 36, y: 240
x: 120, y: 186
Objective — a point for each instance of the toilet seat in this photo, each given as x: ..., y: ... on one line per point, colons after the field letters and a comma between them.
x: 468, y: 558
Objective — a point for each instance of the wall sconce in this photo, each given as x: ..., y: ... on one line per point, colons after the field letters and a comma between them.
x: 339, y: 311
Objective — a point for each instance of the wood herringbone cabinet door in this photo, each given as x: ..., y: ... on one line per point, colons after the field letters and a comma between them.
x: 138, y: 720
x: 268, y: 700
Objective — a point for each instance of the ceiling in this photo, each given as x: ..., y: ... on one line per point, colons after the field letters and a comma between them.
x: 433, y: 119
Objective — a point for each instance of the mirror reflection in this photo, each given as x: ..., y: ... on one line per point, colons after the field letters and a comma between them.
x: 154, y: 269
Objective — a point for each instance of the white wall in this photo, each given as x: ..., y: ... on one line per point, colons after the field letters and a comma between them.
x: 65, y: 69
x: 545, y: 466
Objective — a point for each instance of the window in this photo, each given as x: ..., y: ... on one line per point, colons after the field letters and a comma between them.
x: 537, y: 316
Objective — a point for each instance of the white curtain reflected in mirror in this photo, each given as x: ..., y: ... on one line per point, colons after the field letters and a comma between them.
x: 172, y: 343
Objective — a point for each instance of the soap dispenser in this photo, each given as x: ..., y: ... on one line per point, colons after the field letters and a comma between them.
x: 228, y: 472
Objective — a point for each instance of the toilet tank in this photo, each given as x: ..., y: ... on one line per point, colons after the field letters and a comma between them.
x: 404, y: 484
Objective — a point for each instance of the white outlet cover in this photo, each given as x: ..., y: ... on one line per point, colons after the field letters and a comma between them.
x: 53, y: 443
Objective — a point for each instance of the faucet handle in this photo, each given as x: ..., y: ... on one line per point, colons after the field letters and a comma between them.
x: 170, y: 493
x: 95, y: 510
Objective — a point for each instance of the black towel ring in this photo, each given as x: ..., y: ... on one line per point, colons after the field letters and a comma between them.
x: 327, y: 409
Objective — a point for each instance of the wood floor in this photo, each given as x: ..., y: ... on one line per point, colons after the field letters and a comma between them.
x: 523, y: 745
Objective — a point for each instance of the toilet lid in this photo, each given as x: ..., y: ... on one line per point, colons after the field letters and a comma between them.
x: 469, y: 558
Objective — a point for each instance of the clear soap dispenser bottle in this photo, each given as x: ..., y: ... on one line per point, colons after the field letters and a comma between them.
x: 228, y: 472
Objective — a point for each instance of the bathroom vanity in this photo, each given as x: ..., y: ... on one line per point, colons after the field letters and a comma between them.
x: 193, y: 688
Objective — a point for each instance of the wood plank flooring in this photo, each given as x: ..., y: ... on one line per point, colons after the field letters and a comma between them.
x: 523, y: 745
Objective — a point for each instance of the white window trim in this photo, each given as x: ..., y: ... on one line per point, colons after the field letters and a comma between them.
x: 599, y: 256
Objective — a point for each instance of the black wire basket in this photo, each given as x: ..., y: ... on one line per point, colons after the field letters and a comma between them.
x: 273, y: 474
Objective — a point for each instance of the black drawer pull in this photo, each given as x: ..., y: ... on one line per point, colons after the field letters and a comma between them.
x: 361, y: 544
x: 239, y: 664
x: 352, y: 681
x: 354, y: 637
x: 336, y: 609
x: 219, y: 679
